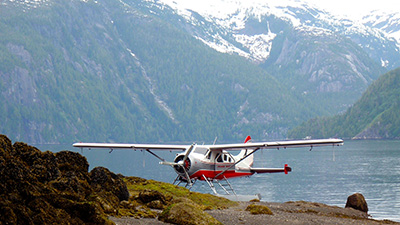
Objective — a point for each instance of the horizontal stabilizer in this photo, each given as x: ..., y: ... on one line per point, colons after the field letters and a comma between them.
x: 285, y: 170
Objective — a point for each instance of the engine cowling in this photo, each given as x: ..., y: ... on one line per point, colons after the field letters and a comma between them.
x: 186, y: 164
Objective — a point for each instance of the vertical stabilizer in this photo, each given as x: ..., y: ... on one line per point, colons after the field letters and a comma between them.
x: 247, y: 162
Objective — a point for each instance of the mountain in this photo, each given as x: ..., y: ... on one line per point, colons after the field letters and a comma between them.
x: 108, y: 71
x: 156, y: 71
x: 386, y: 22
x: 327, y: 59
x: 374, y: 116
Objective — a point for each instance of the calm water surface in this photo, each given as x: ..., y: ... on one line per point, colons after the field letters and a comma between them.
x: 326, y: 174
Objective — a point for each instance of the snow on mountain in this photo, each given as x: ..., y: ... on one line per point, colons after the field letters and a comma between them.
x: 232, y: 17
x: 387, y: 22
x: 233, y: 31
x: 231, y: 28
x: 27, y: 4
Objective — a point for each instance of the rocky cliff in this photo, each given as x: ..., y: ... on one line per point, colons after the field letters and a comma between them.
x: 54, y: 188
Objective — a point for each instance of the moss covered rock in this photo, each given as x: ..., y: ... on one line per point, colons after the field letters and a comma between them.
x: 258, y: 209
x: 109, y: 188
x: 185, y: 213
x: 45, y: 188
x: 103, y: 179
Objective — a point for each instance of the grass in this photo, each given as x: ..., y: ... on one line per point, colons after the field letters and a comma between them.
x: 136, y: 185
x: 259, y: 209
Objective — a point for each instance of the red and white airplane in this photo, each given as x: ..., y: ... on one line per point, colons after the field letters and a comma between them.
x: 213, y: 163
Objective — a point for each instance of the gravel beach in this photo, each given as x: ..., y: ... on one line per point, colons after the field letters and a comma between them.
x: 299, y: 212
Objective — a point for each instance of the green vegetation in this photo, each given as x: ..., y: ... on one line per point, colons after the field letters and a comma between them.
x: 374, y: 116
x: 67, y: 74
x: 258, y: 209
x: 115, y: 71
x: 172, y: 192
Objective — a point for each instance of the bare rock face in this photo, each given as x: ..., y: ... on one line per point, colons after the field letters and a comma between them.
x: 357, y: 201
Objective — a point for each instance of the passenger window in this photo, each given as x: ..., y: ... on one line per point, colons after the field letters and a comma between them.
x: 219, y: 158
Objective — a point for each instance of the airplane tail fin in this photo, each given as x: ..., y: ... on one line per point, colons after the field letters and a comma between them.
x: 248, y: 162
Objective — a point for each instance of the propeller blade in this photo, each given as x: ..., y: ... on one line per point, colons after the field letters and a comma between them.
x: 171, y: 163
x: 188, y: 152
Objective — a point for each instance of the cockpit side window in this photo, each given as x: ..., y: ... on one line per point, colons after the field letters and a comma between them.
x: 208, y: 155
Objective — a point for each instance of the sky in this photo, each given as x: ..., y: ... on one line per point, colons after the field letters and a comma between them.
x: 356, y: 8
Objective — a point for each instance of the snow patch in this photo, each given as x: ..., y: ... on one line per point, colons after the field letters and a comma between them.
x: 259, y: 45
x: 221, y: 45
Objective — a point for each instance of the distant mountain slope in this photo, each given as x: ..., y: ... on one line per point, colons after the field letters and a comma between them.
x: 326, y: 59
x: 375, y: 116
x: 387, y: 22
x: 118, y: 70
x: 107, y: 71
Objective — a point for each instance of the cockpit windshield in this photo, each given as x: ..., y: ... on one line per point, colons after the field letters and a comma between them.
x: 201, y: 150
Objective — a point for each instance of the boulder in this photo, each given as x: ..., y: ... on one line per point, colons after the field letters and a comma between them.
x: 153, y: 199
x: 147, y: 196
x: 357, y: 201
x: 74, y: 179
x: 45, y: 188
x: 103, y: 179
x: 184, y: 213
x: 42, y: 165
x: 258, y: 209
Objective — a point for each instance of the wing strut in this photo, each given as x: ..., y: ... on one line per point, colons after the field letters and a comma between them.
x: 158, y: 157
x: 235, y: 163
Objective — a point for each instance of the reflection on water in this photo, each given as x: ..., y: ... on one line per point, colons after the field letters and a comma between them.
x: 327, y: 175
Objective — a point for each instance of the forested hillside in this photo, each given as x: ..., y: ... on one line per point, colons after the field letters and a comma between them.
x: 375, y: 116
x: 104, y: 71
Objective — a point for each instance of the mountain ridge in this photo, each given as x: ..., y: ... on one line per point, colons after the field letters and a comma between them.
x: 135, y: 71
x: 373, y: 116
x: 292, y: 41
x: 107, y: 71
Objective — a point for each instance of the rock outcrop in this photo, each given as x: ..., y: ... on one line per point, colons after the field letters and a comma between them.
x: 53, y: 188
x: 357, y: 201
x: 184, y: 213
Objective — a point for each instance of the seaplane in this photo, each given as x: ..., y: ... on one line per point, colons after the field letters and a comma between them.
x: 215, y: 163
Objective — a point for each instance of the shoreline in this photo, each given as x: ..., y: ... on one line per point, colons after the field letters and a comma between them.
x: 299, y: 212
x: 53, y: 188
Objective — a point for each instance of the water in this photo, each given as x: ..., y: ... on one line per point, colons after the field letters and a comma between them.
x: 325, y: 174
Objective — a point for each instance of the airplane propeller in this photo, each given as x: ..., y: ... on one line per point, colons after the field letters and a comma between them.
x: 180, y: 164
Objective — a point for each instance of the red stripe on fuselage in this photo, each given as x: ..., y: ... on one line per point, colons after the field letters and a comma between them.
x: 212, y: 173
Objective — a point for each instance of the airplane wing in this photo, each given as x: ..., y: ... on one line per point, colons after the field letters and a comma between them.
x: 240, y: 146
x: 133, y: 146
x: 279, y: 144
